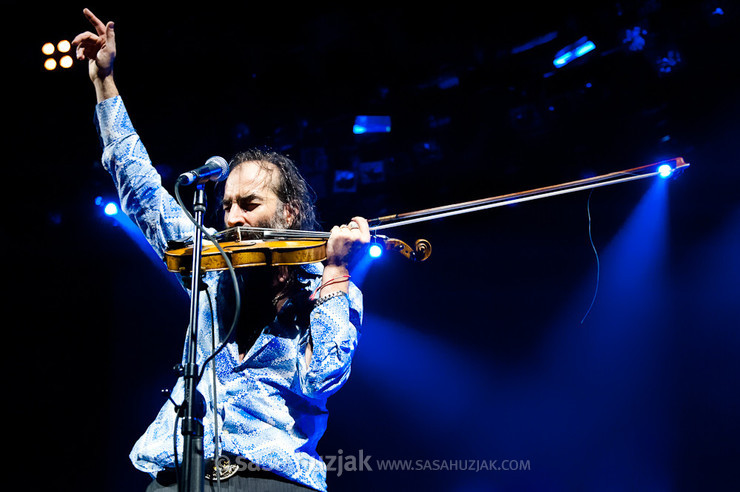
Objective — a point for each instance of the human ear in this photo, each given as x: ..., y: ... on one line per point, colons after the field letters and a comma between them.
x: 289, y: 214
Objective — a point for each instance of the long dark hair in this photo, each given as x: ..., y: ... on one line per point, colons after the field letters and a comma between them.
x: 293, y: 191
x: 291, y: 188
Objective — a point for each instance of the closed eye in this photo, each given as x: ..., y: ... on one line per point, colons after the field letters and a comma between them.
x: 247, y: 203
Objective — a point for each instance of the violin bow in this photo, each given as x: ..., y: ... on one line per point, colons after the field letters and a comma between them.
x: 672, y: 166
x: 422, y: 248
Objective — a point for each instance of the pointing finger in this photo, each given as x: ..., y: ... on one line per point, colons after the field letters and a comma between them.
x: 97, y: 23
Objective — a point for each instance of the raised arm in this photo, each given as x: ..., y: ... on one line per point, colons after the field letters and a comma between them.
x: 139, y: 185
x: 99, y: 49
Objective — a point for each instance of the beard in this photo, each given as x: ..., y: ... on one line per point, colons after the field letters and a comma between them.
x: 258, y: 282
x: 277, y: 221
x: 260, y: 288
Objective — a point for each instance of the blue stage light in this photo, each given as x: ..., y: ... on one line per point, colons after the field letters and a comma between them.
x: 371, y: 124
x: 575, y: 50
x: 563, y: 59
x: 665, y: 171
x: 375, y: 251
x: 584, y: 48
x: 110, y: 209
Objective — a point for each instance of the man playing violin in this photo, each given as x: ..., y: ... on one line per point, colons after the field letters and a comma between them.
x: 300, y: 325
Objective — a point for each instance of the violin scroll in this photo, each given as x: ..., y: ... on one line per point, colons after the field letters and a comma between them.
x: 421, y: 251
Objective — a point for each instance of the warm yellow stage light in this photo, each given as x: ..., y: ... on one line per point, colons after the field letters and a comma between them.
x: 47, y: 49
x: 63, y: 46
x: 66, y: 61
x: 50, y: 64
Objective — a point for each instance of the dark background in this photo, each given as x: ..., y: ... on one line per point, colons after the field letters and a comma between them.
x: 487, y: 351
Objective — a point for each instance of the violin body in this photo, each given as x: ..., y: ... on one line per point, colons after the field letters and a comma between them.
x: 248, y: 253
x: 248, y: 246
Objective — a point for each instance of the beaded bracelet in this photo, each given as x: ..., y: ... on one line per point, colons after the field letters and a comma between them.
x: 322, y: 300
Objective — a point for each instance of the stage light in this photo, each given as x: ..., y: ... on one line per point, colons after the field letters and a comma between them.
x: 584, y: 48
x: 110, y: 209
x: 375, y: 251
x: 371, y: 124
x: 665, y: 171
x: 573, y: 51
x: 66, y: 61
x: 563, y: 59
x: 56, y: 55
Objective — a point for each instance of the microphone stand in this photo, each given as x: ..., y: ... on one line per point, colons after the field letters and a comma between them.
x: 192, y: 477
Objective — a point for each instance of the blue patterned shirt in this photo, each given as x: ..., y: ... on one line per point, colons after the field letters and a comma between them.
x: 271, y: 406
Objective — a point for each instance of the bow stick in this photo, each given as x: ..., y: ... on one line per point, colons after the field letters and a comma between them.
x: 675, y: 165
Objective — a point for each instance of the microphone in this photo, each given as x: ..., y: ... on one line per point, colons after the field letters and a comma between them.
x: 215, y: 169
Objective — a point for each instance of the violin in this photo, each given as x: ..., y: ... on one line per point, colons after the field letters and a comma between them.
x: 250, y: 246
x: 255, y: 246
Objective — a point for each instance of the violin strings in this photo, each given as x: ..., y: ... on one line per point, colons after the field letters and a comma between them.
x: 278, y: 233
